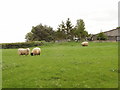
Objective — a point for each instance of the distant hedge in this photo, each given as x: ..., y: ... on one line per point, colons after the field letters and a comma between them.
x: 21, y: 45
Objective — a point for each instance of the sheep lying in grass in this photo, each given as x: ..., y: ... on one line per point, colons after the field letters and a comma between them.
x: 22, y: 51
x: 84, y: 43
x: 36, y: 51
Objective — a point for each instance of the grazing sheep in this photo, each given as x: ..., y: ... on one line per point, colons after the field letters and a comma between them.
x: 22, y: 51
x: 84, y: 43
x: 36, y: 51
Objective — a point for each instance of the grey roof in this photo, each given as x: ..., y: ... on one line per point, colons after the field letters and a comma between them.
x: 113, y: 32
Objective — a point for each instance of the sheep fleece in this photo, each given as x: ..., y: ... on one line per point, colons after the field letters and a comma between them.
x: 36, y: 51
x: 22, y: 51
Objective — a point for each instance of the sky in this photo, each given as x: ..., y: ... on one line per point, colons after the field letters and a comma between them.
x: 18, y: 16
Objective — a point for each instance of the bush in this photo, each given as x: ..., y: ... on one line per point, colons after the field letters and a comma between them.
x: 21, y: 45
x: 101, y: 36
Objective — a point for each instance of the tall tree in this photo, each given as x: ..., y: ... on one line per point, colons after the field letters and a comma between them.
x: 65, y: 30
x: 61, y: 32
x: 80, y: 30
x: 69, y: 29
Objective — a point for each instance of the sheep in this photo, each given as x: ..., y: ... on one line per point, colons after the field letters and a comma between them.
x: 36, y: 51
x: 22, y: 51
x: 84, y: 43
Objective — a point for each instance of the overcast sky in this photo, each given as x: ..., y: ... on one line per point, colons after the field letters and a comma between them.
x: 18, y: 16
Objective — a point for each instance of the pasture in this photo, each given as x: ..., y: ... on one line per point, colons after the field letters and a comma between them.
x: 63, y: 65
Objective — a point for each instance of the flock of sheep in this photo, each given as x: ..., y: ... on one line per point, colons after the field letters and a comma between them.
x: 37, y: 51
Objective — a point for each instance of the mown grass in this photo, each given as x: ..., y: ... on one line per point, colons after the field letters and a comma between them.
x: 63, y: 65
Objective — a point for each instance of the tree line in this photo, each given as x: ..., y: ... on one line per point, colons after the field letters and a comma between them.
x: 65, y: 31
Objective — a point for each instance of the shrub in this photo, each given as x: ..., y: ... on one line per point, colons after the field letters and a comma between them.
x: 21, y: 45
x: 101, y: 36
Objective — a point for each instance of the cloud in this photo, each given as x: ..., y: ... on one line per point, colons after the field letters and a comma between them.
x: 18, y: 16
x: 119, y: 13
x: 101, y: 16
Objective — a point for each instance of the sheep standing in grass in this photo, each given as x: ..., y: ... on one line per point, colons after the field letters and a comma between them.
x: 36, y: 51
x: 22, y: 51
x: 84, y: 43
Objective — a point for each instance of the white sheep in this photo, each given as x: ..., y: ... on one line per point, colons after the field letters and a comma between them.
x: 22, y: 51
x: 36, y: 51
x: 84, y: 43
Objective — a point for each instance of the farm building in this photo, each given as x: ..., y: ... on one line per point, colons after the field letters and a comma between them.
x: 112, y: 35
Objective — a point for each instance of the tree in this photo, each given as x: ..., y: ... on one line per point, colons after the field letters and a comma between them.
x: 61, y: 32
x: 40, y: 32
x: 29, y: 36
x: 80, y: 30
x: 117, y: 27
x: 101, y: 36
x: 65, y: 30
x: 69, y: 29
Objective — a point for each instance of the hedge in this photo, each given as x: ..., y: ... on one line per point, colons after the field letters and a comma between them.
x: 21, y: 45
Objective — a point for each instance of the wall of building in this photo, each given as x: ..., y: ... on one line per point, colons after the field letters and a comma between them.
x: 113, y: 35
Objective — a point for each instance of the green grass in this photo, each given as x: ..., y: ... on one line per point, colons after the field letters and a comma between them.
x: 63, y: 65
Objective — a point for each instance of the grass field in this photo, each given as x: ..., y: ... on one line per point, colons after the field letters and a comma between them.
x: 63, y: 65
